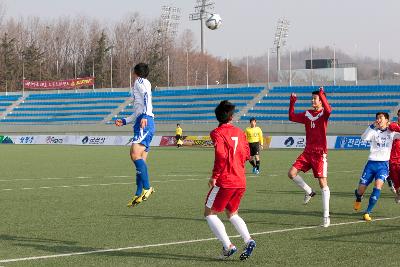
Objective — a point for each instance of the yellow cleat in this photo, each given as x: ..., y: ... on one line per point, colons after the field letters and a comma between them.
x: 146, y: 193
x: 357, y: 206
x: 367, y: 218
x: 136, y: 200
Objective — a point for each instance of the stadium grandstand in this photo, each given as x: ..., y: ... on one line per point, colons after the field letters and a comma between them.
x: 352, y: 105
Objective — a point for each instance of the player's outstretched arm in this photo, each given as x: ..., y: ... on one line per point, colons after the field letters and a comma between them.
x: 295, y: 117
x: 324, y: 100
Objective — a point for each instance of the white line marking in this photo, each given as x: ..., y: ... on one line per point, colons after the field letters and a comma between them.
x: 90, y: 185
x: 132, y: 176
x: 181, y: 242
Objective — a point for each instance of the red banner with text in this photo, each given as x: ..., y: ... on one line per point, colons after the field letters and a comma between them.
x: 63, y: 84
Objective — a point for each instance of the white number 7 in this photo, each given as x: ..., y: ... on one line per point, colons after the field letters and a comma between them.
x: 236, y: 139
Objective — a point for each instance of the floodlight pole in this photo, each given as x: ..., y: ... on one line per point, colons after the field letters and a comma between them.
x: 202, y: 7
x: 281, y: 35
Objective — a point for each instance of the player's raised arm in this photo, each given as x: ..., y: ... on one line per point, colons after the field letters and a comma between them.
x: 369, y: 133
x: 221, y: 155
x: 324, y: 100
x: 295, y: 117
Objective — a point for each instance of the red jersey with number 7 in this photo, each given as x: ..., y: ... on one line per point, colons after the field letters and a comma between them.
x: 231, y: 153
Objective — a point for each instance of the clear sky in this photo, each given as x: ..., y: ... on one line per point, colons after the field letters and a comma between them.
x: 354, y: 26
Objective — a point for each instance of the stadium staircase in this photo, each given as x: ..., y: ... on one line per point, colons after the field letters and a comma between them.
x: 351, y: 104
x: 195, y: 105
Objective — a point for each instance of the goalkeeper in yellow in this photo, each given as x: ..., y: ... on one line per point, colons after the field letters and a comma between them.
x: 255, y: 138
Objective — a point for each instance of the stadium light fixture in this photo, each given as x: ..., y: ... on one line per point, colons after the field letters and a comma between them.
x: 280, y: 38
x: 202, y: 8
x: 170, y: 18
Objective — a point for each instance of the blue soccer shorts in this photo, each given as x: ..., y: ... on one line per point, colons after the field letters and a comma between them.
x: 144, y: 135
x: 375, y: 170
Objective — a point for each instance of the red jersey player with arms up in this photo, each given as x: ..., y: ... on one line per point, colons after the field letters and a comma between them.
x: 228, y: 181
x: 313, y: 157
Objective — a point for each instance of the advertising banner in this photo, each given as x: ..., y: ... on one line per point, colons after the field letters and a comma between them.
x: 351, y: 142
x: 296, y: 141
x: 5, y: 140
x: 63, y: 84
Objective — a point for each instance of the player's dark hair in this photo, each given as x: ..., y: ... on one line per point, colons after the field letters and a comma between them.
x: 317, y: 93
x: 385, y: 114
x: 224, y: 111
x: 398, y: 111
x: 178, y: 124
x: 252, y: 119
x: 142, y: 70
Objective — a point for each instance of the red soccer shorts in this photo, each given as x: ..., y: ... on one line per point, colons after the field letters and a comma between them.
x: 219, y: 199
x: 394, y: 174
x: 312, y: 160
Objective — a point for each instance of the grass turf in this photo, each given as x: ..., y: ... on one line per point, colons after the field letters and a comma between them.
x: 67, y: 199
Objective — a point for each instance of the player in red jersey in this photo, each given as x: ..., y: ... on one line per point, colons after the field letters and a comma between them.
x: 313, y: 157
x: 394, y: 161
x: 228, y: 180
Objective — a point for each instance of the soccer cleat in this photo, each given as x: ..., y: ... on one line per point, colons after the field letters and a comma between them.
x: 147, y: 193
x: 357, y: 205
x: 226, y: 253
x: 136, y: 200
x: 257, y: 172
x: 326, y: 222
x: 248, y: 250
x: 308, y: 197
x: 254, y: 170
x: 367, y: 218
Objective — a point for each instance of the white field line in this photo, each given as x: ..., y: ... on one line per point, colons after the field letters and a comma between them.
x: 109, y: 184
x: 94, y: 177
x: 90, y: 185
x: 131, y: 176
x: 181, y: 242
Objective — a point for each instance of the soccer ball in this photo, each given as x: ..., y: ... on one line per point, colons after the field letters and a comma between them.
x: 214, y: 21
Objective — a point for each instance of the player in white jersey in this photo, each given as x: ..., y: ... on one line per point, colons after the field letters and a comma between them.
x: 377, y: 167
x: 143, y: 131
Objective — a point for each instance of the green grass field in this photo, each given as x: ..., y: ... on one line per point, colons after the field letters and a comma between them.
x: 67, y: 199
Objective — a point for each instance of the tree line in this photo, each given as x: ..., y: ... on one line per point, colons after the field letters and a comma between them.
x: 69, y: 47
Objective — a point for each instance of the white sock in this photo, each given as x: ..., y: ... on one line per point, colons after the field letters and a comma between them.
x: 326, y: 195
x: 300, y: 182
x: 241, y: 227
x: 218, y: 228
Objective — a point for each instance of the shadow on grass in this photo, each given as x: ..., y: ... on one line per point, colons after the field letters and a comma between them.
x: 45, y: 244
x: 299, y: 213
x: 157, y: 217
x: 65, y: 247
x: 164, y: 256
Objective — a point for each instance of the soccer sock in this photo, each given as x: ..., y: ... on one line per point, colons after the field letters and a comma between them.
x: 139, y: 185
x: 326, y: 195
x: 141, y: 170
x: 241, y: 227
x: 258, y: 165
x: 218, y: 228
x: 358, y: 196
x: 300, y: 182
x: 373, y: 199
x: 252, y: 163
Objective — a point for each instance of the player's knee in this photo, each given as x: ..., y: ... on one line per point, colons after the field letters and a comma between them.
x: 291, y: 174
